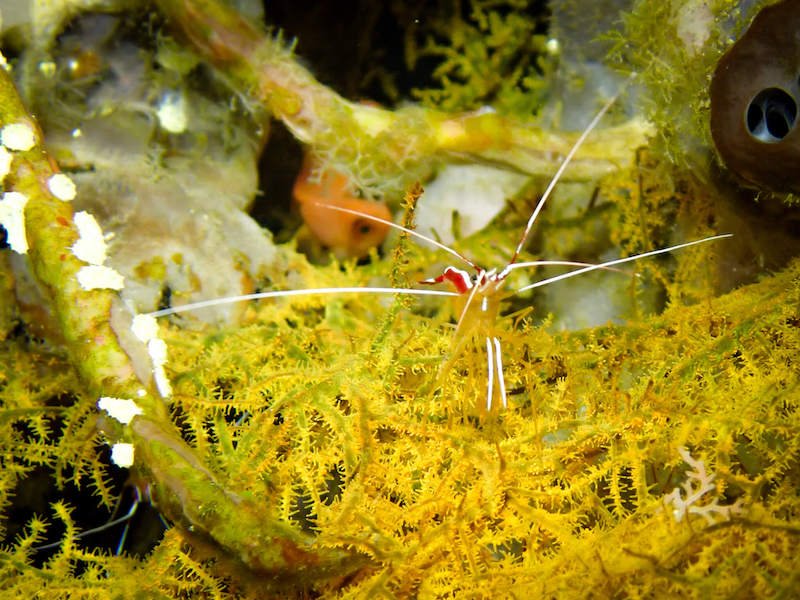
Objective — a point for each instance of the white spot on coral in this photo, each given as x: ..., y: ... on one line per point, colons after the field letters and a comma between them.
x: 162, y: 382
x: 121, y: 409
x: 12, y: 217
x: 144, y: 327
x: 141, y: 392
x: 158, y: 351
x: 122, y: 454
x: 62, y: 187
x: 157, y: 348
x: 5, y: 162
x: 96, y: 277
x: 91, y: 246
x: 171, y: 112
x: 18, y: 136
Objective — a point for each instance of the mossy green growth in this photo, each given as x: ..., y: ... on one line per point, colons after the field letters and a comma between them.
x: 675, y: 46
x: 488, y: 54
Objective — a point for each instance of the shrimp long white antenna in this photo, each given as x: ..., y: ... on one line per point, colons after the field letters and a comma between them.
x: 564, y: 164
x: 288, y: 293
x: 333, y: 290
x: 126, y: 518
x: 433, y: 242
x: 398, y: 227
x: 554, y: 263
x: 614, y: 262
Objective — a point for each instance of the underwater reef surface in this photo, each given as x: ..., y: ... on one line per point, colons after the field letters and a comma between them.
x: 629, y: 432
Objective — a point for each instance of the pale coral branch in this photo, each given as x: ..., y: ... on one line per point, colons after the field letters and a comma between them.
x: 699, y: 482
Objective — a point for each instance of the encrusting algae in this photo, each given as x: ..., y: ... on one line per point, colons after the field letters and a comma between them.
x: 315, y: 445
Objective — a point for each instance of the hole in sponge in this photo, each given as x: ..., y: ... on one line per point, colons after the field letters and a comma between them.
x: 771, y: 115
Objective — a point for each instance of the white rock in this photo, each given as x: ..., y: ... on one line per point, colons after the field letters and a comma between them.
x: 157, y: 348
x: 693, y: 24
x: 171, y: 112
x: 476, y: 192
x: 162, y: 382
x: 145, y: 328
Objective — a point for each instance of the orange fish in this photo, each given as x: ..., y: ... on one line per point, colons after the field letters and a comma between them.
x: 345, y: 234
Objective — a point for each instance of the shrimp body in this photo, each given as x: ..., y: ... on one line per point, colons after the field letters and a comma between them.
x: 478, y: 322
x: 479, y: 315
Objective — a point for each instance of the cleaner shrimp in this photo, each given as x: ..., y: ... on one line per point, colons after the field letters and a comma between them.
x: 482, y: 291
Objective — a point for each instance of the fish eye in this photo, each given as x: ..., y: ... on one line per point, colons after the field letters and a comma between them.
x: 361, y: 227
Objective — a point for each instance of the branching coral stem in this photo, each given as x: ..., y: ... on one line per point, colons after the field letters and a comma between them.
x: 165, y: 466
x: 390, y: 142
